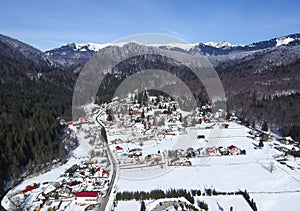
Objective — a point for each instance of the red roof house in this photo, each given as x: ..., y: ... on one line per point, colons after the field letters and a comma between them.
x: 30, y: 188
x: 119, y: 149
x: 233, y: 149
x: 212, y: 150
x: 87, y: 194
x: 87, y: 197
x: 105, y: 173
x: 82, y: 119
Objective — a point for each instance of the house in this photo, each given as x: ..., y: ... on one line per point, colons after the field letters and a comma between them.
x: 233, y: 149
x: 187, y: 163
x: 206, y: 119
x: 105, y: 173
x: 82, y: 119
x: 118, y: 140
x: 223, y: 150
x: 211, y: 150
x: 201, y: 137
x: 225, y: 125
x: 135, y: 150
x: 287, y: 140
x: 87, y: 197
x: 161, y: 133
x: 153, y: 158
x: 119, y: 149
x: 170, y: 134
x: 50, y: 188
x: 100, y: 172
x: 30, y: 188
x: 265, y: 136
x: 176, y: 162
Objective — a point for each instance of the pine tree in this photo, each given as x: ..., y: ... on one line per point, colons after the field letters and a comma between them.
x: 228, y: 115
x: 109, y: 118
x: 253, y: 125
x: 264, y: 126
x: 143, y: 114
x: 261, y: 144
x: 180, y: 117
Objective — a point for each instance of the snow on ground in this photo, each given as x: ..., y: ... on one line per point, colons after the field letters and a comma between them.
x: 283, y: 41
x: 150, y: 204
x: 277, y: 201
x: 165, y: 204
x: 251, y: 172
x: 129, y: 205
x: 252, y: 177
x: 237, y: 202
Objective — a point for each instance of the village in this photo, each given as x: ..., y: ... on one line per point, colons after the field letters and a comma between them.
x: 152, y: 140
x: 135, y: 136
x: 148, y: 136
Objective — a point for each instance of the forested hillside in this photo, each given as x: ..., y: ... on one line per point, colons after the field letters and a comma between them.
x: 33, y: 97
x: 271, y: 95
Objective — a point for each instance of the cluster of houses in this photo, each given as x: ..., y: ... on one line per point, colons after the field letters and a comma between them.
x: 181, y: 157
x: 86, y: 183
x: 178, y: 157
x: 136, y: 156
x: 82, y: 185
x: 159, y: 119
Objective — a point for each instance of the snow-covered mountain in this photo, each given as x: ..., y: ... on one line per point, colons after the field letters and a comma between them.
x: 73, y: 54
x: 223, y: 44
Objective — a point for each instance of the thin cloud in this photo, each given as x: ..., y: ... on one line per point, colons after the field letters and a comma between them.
x: 173, y: 32
x: 54, y: 41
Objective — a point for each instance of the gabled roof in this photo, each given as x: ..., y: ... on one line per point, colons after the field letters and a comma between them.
x: 118, y: 148
x: 87, y: 194
x: 232, y: 147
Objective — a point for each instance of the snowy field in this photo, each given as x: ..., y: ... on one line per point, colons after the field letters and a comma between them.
x: 214, y: 203
x: 249, y: 172
x: 280, y: 201
x: 129, y: 205
x: 225, y: 202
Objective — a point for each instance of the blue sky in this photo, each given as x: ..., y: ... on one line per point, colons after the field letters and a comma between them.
x: 49, y: 24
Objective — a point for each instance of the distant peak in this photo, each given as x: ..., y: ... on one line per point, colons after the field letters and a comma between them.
x: 222, y: 44
x: 284, y: 40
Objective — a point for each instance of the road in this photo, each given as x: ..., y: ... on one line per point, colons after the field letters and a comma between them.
x: 114, y: 169
x: 114, y: 174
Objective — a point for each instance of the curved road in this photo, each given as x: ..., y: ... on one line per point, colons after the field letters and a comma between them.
x: 105, y: 200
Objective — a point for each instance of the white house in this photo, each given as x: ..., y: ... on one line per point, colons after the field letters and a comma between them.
x: 88, y: 197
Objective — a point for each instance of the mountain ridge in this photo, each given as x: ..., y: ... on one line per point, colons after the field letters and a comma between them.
x: 75, y: 55
x: 13, y: 48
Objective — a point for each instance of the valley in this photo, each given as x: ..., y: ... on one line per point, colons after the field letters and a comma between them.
x: 221, y: 159
x: 121, y: 150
